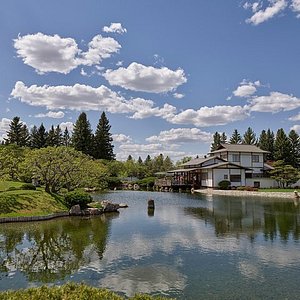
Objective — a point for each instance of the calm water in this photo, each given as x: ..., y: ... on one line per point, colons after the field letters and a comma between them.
x: 193, y: 247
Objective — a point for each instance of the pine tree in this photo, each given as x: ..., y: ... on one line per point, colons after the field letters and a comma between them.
x: 82, y: 138
x: 249, y: 137
x: 38, y: 137
x: 103, y: 147
x: 66, y: 139
x: 223, y: 138
x: 51, y: 139
x: 271, y: 142
x: 235, y: 138
x: 294, y: 158
x: 18, y: 133
x: 129, y: 158
x: 58, y: 136
x: 168, y: 164
x: 216, y: 141
x: 140, y: 161
x: 282, y: 146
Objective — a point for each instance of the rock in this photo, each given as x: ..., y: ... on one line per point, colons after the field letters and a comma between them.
x: 75, y: 210
x: 109, y: 207
x: 151, y: 204
x: 123, y: 205
x: 92, y: 211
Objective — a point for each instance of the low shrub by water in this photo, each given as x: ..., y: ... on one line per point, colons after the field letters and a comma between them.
x: 77, y: 197
x: 70, y: 291
x: 224, y: 185
x: 28, y: 186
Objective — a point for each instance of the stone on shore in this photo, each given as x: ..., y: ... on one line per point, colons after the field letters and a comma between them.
x: 75, y: 210
x: 109, y: 207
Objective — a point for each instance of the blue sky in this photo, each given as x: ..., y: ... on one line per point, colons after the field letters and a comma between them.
x: 168, y: 73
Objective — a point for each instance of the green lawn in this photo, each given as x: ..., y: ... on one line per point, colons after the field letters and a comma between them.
x: 278, y: 190
x: 19, y: 202
x: 69, y: 291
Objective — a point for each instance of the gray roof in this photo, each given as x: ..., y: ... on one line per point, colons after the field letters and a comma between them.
x: 182, y: 170
x: 198, y: 161
x: 224, y: 164
x: 239, y: 148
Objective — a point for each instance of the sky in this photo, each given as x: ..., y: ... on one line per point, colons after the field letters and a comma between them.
x: 168, y: 74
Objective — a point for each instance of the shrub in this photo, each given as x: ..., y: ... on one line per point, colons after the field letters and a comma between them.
x: 147, y: 181
x: 12, y: 188
x: 224, y: 185
x: 77, y: 197
x: 28, y: 186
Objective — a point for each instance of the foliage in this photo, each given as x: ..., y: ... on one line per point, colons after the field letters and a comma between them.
x: 224, y: 185
x: 146, y: 182
x: 77, y: 197
x: 216, y: 141
x: 249, y: 137
x: 28, y: 186
x: 247, y: 188
x: 282, y: 147
x: 103, y: 147
x: 38, y: 137
x: 235, y: 138
x: 69, y: 291
x: 294, y: 157
x: 284, y: 174
x: 18, y: 133
x: 82, y: 138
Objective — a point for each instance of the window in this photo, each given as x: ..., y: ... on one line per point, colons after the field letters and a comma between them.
x: 255, y: 158
x: 235, y: 178
x: 236, y: 158
x: 226, y: 177
x: 256, y: 184
x: 204, y: 176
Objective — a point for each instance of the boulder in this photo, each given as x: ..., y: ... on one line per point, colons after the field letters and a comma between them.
x: 123, y: 205
x: 109, y: 207
x: 75, y: 210
x: 92, y: 211
x: 151, y: 204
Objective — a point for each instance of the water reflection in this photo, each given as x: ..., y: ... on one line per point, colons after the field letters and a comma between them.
x: 235, y: 217
x: 48, y: 251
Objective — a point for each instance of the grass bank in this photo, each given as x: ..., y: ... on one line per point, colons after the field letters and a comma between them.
x: 18, y: 202
x: 289, y: 190
x: 69, y: 291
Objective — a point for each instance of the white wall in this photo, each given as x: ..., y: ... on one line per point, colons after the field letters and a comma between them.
x: 264, y: 182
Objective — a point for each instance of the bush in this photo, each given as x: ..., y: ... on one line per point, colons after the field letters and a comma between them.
x: 147, y: 181
x: 28, y: 186
x: 12, y: 188
x: 224, y: 185
x: 77, y: 197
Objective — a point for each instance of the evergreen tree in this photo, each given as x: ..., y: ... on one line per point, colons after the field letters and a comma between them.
x: 294, y: 158
x: 58, y: 136
x: 235, y: 138
x: 129, y: 158
x: 82, y: 138
x: 38, y: 137
x: 249, y: 137
x: 66, y: 139
x: 148, y: 160
x: 282, y: 146
x: 223, y: 138
x: 51, y: 138
x: 270, y: 143
x: 18, y: 133
x: 103, y: 140
x: 140, y: 161
x: 216, y: 141
x: 168, y: 164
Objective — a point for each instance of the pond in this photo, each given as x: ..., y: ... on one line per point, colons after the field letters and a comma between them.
x: 191, y: 247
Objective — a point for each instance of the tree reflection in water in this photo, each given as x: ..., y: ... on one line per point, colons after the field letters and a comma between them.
x: 236, y: 217
x: 50, y: 250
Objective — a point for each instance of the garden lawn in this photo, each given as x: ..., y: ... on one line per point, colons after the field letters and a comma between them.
x: 17, y: 203
x: 278, y: 190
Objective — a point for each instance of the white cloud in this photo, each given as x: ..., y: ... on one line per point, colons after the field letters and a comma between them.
x: 83, y: 73
x: 46, y: 53
x: 296, y: 128
x: 262, y: 15
x: 295, y: 118
x: 246, y: 89
x: 115, y: 27
x: 178, y: 95
x: 138, y: 77
x: 121, y: 138
x: 4, y: 127
x: 119, y: 63
x: 296, y: 7
x: 181, y: 135
x: 210, y: 116
x: 51, y: 114
x: 68, y: 125
x: 274, y: 103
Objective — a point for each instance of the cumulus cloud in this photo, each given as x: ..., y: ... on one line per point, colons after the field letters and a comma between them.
x: 178, y: 95
x: 296, y: 128
x: 261, y: 15
x: 121, y: 138
x: 246, y: 88
x: 4, y: 127
x: 296, y: 7
x: 115, y: 27
x: 138, y: 77
x: 210, y: 116
x: 274, y: 103
x: 181, y: 135
x: 68, y: 125
x: 295, y: 118
x: 51, y: 114
x: 46, y: 53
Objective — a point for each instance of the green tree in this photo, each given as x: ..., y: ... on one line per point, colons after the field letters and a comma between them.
x: 82, y: 138
x: 294, y: 157
x: 51, y: 137
x: 249, y: 137
x: 18, y: 133
x: 284, y: 174
x: 38, y: 137
x: 167, y: 164
x: 223, y: 138
x: 183, y: 160
x: 66, y: 139
x: 103, y: 147
x: 270, y: 144
x: 216, y: 141
x: 282, y: 146
x: 235, y: 138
